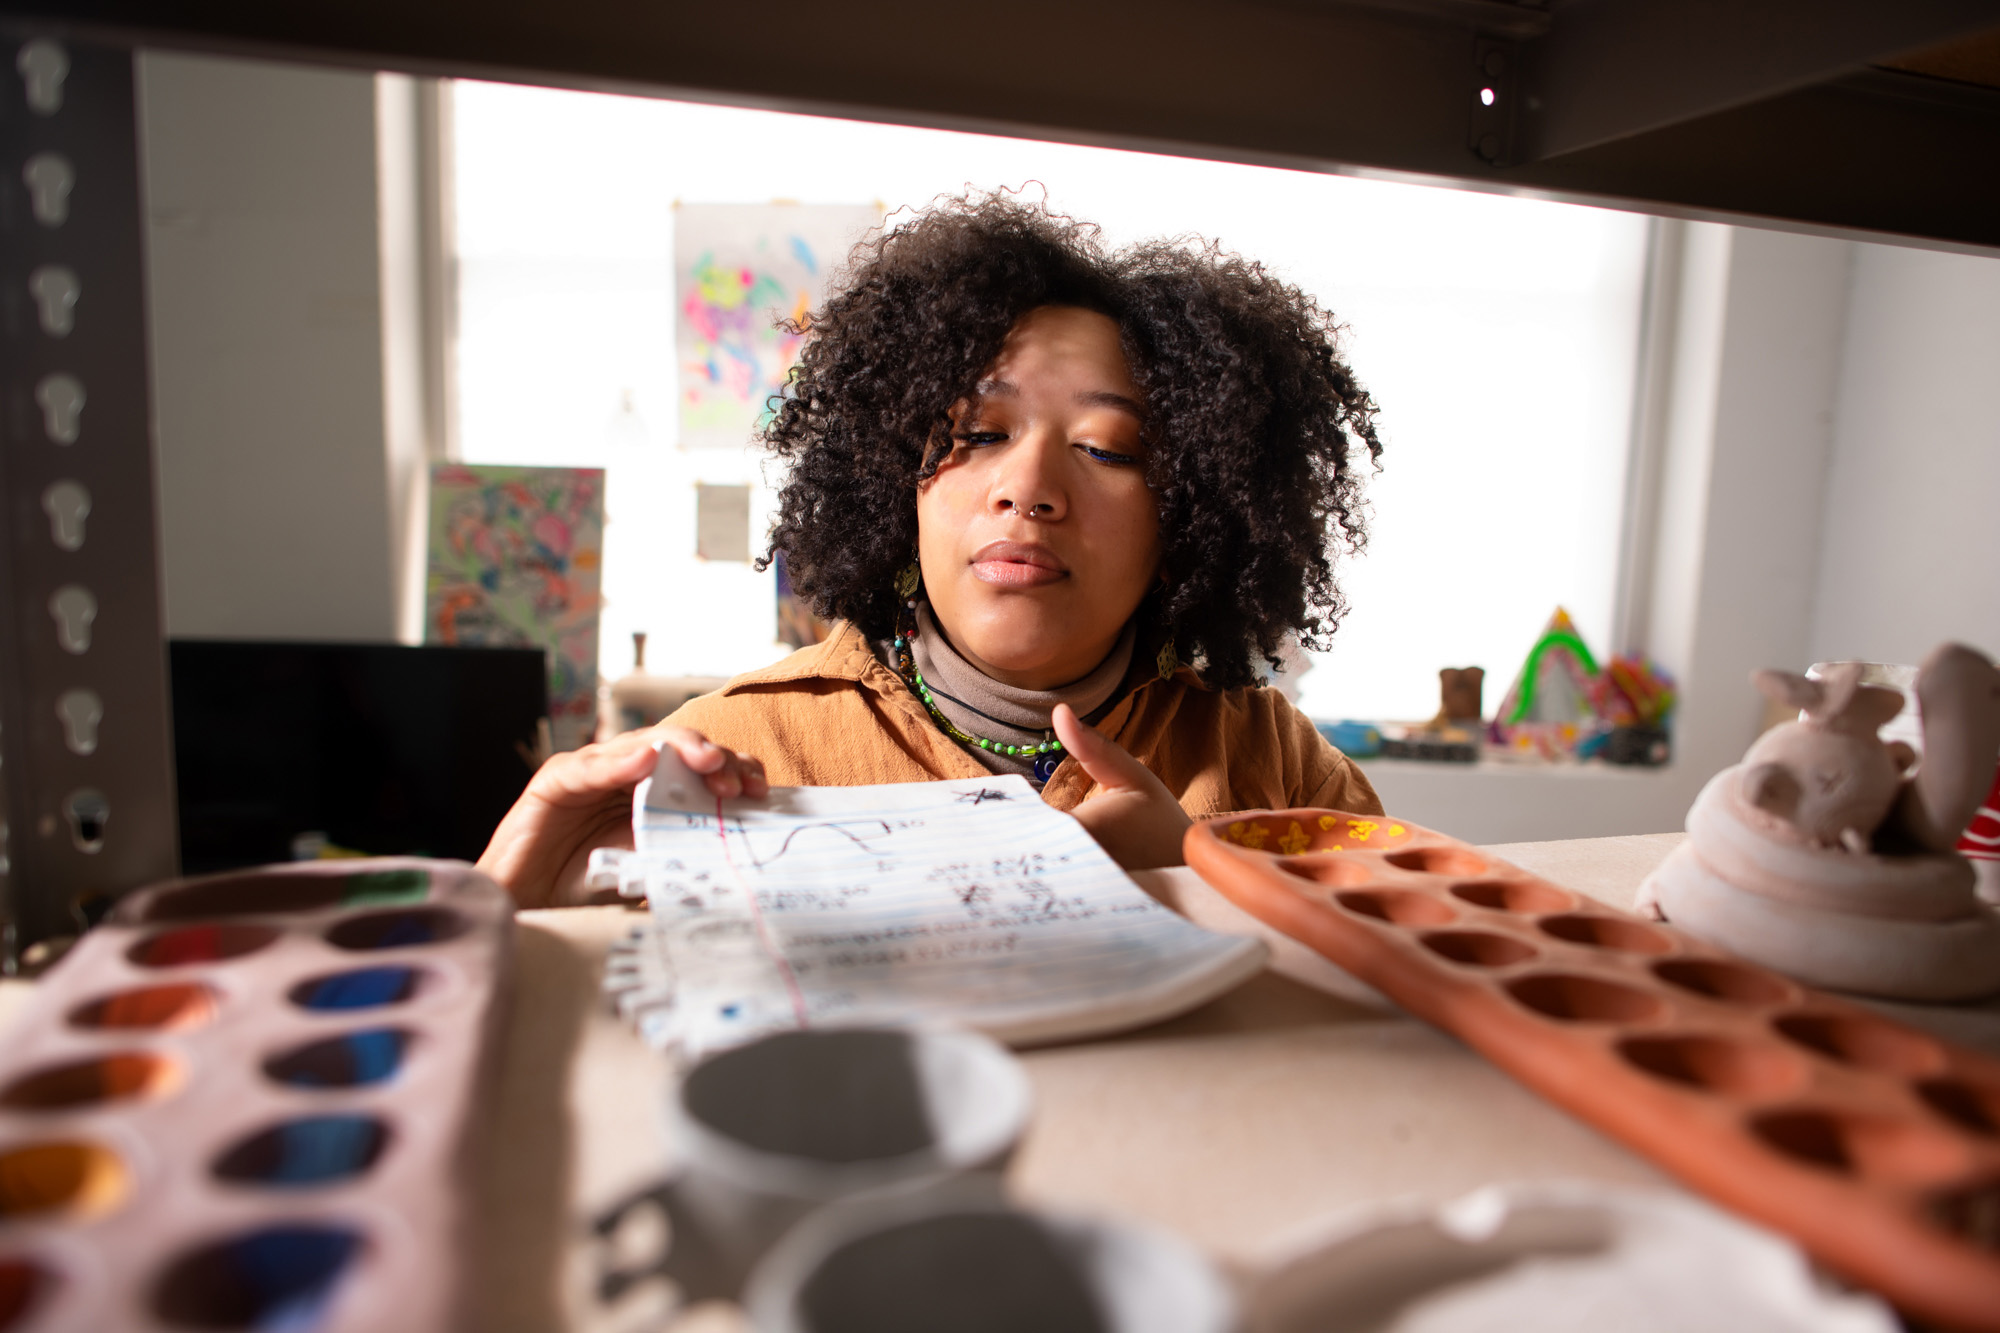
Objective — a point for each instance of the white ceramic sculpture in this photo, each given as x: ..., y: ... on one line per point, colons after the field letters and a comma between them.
x: 1823, y: 856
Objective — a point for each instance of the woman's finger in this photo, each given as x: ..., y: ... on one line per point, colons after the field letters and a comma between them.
x: 697, y: 751
x: 584, y: 776
x: 1107, y: 762
x: 725, y: 773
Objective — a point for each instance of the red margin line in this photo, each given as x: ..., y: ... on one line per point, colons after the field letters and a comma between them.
x: 757, y: 921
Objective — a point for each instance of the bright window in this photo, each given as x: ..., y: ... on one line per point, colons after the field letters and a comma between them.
x: 1498, y: 335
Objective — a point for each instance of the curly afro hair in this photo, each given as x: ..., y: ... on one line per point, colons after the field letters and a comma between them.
x: 1252, y: 420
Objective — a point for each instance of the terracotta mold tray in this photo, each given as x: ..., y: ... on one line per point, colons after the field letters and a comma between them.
x: 245, y: 1101
x: 1875, y: 1145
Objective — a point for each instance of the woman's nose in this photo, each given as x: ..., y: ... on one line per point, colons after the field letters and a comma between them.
x: 1027, y: 483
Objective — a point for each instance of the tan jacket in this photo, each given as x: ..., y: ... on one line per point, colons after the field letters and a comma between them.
x: 834, y: 715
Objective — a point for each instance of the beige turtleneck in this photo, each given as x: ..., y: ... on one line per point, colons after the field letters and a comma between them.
x: 1013, y: 716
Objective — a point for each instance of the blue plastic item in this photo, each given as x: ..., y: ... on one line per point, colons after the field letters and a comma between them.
x: 1356, y: 740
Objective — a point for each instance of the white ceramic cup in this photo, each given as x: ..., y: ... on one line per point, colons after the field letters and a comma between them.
x: 771, y: 1130
x: 959, y: 1257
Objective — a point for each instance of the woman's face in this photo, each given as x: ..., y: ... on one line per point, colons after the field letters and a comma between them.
x: 1037, y: 535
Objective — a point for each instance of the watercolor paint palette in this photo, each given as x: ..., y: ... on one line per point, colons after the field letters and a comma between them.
x: 1874, y: 1144
x: 245, y: 1101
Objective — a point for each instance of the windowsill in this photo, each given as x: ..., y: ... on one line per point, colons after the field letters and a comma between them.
x: 1497, y: 801
x: 1485, y: 767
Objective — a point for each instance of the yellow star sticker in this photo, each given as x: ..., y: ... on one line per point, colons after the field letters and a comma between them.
x: 1294, y: 840
x: 1361, y: 828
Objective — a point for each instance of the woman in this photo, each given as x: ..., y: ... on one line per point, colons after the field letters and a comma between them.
x: 1059, y: 500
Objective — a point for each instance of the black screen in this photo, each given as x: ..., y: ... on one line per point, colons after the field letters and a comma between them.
x: 385, y: 749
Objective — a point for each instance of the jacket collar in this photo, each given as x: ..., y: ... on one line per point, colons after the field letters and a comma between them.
x: 843, y: 655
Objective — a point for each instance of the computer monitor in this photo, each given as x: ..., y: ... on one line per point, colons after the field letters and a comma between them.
x: 377, y: 748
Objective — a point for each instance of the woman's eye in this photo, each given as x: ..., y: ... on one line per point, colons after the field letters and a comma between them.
x: 974, y: 439
x: 1111, y: 456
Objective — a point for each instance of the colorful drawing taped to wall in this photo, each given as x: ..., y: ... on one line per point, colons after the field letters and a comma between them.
x: 516, y: 554
x: 740, y: 271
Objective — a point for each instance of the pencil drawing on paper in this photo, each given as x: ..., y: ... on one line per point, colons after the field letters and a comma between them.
x: 909, y: 902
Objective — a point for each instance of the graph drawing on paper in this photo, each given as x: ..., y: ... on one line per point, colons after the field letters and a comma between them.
x: 969, y: 901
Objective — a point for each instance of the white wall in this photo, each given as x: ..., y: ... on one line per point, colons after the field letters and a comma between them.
x: 1755, y: 365
x: 266, y: 310
x: 1909, y: 552
x: 1747, y: 452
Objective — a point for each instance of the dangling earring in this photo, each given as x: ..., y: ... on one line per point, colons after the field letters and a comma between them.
x: 1168, y: 661
x: 908, y: 579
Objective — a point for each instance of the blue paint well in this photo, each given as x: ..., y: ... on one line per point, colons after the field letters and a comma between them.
x: 367, y: 988
x: 353, y: 1059
x: 315, y: 1150
x: 276, y: 1280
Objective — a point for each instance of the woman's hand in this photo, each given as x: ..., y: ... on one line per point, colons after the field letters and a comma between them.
x: 582, y: 800
x: 1135, y: 817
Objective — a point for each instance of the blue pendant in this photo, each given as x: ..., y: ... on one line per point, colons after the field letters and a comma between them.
x: 1045, y: 766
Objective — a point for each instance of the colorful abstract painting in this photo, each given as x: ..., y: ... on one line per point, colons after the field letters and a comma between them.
x: 740, y: 270
x: 516, y: 554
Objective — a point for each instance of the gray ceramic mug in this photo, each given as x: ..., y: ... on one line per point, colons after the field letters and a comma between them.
x: 769, y: 1131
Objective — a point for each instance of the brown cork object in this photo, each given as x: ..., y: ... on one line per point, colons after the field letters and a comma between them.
x: 1874, y: 1144
x: 247, y: 1100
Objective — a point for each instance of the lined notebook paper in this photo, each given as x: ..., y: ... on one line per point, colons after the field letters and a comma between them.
x: 969, y: 901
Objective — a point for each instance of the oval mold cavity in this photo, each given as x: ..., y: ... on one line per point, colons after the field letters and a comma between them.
x: 170, y: 1008
x: 396, y: 930
x: 118, y: 1077
x: 277, y: 1277
x: 264, y: 893
x: 22, y: 1284
x: 351, y: 1060
x: 1880, y: 1147
x: 245, y: 895
x: 1479, y: 948
x: 1862, y: 1041
x: 362, y: 988
x: 1338, y: 871
x: 67, y: 1177
x: 1580, y: 999
x: 1971, y: 1213
x: 200, y: 944
x: 1973, y: 1106
x: 314, y: 1150
x: 1750, y: 1070
x: 1438, y: 861
x: 1513, y: 896
x: 1732, y: 983
x: 1400, y: 906
x: 1607, y: 932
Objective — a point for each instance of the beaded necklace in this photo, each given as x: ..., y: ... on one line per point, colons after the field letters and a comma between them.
x: 1047, y: 754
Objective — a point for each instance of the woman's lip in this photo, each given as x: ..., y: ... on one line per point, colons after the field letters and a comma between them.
x: 1015, y: 574
x: 1019, y: 553
x: 1017, y: 565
